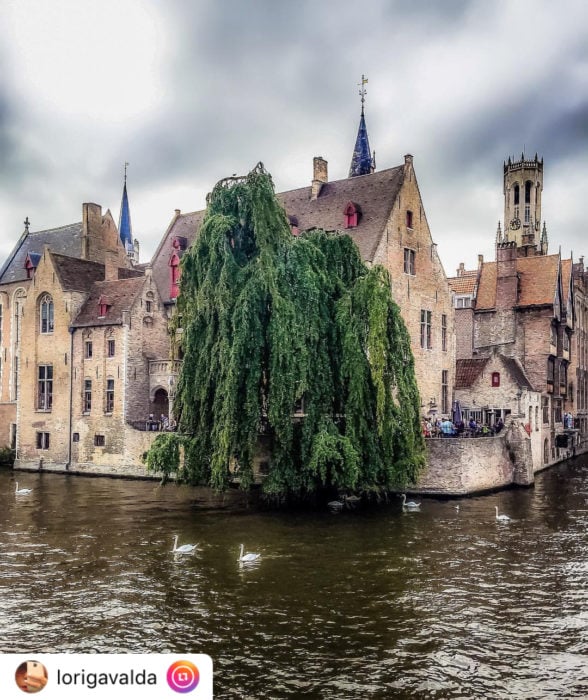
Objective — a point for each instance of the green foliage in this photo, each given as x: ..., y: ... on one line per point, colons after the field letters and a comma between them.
x: 7, y: 456
x: 268, y: 319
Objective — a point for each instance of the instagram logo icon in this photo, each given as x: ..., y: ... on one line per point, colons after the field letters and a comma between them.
x: 183, y: 676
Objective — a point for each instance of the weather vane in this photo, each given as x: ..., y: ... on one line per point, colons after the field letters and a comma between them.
x: 126, y: 165
x: 362, y: 90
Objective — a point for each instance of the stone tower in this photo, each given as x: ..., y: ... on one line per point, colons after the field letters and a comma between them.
x: 523, y: 185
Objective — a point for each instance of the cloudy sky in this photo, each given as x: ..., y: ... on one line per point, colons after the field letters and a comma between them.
x: 190, y: 91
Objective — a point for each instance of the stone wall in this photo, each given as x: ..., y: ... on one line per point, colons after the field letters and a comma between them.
x: 462, y: 466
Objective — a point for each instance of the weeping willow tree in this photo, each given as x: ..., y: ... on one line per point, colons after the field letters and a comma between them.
x: 268, y: 320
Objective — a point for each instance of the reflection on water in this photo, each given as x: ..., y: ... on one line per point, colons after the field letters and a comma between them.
x: 441, y: 603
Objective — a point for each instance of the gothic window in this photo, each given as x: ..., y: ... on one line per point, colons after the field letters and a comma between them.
x: 87, y: 395
x: 528, y: 186
x: 425, y: 329
x: 46, y: 314
x: 109, y: 408
x: 45, y: 388
x: 409, y: 261
x: 516, y: 194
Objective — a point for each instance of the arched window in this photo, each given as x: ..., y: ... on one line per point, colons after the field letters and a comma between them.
x: 528, y: 186
x: 46, y: 314
x: 495, y: 378
x: 516, y: 194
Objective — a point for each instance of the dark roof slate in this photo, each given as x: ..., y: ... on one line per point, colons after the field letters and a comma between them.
x: 76, y: 275
x: 65, y: 240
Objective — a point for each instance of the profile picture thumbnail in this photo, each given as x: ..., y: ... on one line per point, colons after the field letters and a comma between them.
x: 31, y: 676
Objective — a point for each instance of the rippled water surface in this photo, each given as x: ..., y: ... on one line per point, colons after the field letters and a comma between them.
x: 441, y: 603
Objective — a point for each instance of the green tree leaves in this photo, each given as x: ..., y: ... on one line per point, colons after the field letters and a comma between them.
x: 269, y: 319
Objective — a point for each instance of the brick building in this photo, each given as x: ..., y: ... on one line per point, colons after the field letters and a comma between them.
x: 526, y: 305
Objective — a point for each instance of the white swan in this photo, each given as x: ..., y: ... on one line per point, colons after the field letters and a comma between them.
x: 501, y: 518
x: 249, y: 557
x: 183, y: 549
x: 21, y: 492
x: 411, y: 505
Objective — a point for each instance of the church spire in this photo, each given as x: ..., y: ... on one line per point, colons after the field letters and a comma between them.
x: 362, y: 162
x: 124, y: 224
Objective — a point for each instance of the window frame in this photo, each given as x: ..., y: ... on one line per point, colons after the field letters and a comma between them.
x: 44, y: 387
x: 46, y: 315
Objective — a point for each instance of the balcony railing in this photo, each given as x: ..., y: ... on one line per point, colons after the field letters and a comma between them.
x: 166, y: 367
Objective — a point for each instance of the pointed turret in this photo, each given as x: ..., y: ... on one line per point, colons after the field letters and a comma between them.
x: 499, y: 234
x: 362, y: 162
x: 544, y: 242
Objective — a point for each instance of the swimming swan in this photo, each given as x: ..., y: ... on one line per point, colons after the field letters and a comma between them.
x: 184, y: 549
x: 502, y: 518
x: 249, y: 557
x: 21, y: 492
x: 411, y: 505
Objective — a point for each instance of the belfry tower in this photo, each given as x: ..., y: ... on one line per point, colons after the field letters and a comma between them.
x: 362, y: 162
x: 523, y: 185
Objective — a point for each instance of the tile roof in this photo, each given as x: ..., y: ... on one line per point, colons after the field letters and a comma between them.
x: 467, y: 371
x: 465, y: 283
x: 65, y: 240
x: 374, y: 193
x: 538, y: 277
x: 120, y: 296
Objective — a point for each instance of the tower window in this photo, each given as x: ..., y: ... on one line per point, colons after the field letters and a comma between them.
x: 528, y: 186
x: 516, y: 194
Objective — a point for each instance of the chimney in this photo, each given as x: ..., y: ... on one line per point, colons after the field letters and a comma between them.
x: 91, y: 231
x: 461, y: 270
x: 319, y: 176
x: 480, y: 261
x: 110, y: 265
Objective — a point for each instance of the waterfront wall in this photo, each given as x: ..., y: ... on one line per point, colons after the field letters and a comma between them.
x: 461, y: 466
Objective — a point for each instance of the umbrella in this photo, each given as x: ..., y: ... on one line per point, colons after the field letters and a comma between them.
x: 457, y: 418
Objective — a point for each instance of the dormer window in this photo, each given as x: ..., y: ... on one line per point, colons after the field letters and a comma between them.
x: 31, y: 264
x: 293, y: 221
x: 351, y: 215
x: 180, y: 243
x: 102, y: 306
x: 174, y: 265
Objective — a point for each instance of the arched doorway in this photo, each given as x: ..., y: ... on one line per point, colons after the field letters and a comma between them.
x: 160, y: 403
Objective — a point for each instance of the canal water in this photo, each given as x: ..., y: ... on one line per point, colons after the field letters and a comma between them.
x: 379, y: 603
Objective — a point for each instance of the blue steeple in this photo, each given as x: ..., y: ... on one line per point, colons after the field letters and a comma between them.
x: 362, y: 162
x: 124, y: 224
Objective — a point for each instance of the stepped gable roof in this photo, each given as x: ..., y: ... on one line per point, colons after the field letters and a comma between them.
x: 184, y: 226
x: 65, y: 240
x: 467, y: 371
x: 465, y: 283
x: 538, y: 277
x: 119, y: 295
x: 374, y: 193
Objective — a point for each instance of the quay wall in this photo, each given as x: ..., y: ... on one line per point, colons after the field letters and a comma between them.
x: 462, y: 466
